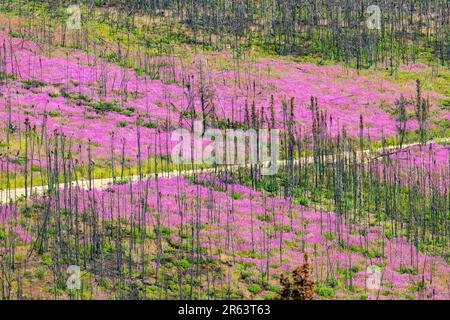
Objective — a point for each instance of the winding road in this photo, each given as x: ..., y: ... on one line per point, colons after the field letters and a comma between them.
x: 13, y: 194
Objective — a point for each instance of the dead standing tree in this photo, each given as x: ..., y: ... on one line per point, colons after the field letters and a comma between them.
x: 422, y: 110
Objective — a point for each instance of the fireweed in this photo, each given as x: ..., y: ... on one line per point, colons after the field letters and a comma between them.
x: 215, y: 147
x: 69, y: 114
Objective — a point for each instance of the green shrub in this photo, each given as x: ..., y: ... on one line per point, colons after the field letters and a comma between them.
x: 254, y: 289
x: 28, y: 84
x: 237, y: 196
x: 40, y: 273
x: 13, y: 34
x: 325, y: 292
x: 271, y: 296
x: 404, y: 270
x: 332, y: 282
x: 184, y: 264
x: 54, y: 114
x: 150, y: 125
